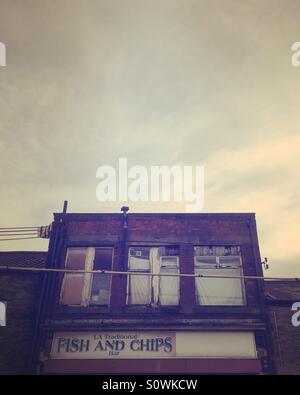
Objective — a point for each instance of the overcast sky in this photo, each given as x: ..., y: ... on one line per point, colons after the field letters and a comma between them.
x: 162, y: 83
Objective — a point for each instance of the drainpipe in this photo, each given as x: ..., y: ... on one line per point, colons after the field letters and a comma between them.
x: 43, y: 307
x: 56, y: 261
x: 124, y: 210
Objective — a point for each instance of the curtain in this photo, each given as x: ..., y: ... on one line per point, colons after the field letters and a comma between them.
x: 76, y: 286
x: 139, y: 286
x: 139, y: 289
x: 73, y: 283
x: 219, y: 291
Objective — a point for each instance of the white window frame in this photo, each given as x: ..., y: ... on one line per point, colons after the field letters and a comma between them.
x: 155, y: 280
x: 199, y: 268
x: 129, y: 279
x: 177, y: 279
x: 87, y: 277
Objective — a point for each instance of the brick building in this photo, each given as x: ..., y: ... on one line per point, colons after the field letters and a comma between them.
x: 283, y: 304
x: 20, y: 292
x: 114, y: 323
x: 142, y: 323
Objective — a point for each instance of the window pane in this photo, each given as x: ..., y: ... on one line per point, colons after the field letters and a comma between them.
x: 141, y: 252
x: 103, y: 258
x: 136, y: 263
x: 169, y: 261
x: 219, y: 291
x: 101, y: 283
x: 73, y: 283
x: 76, y: 258
x: 100, y: 293
x: 139, y: 286
x: 72, y: 289
x: 230, y: 261
x: 139, y: 262
x: 217, y: 250
x: 169, y: 286
x: 209, y: 262
x: 139, y: 289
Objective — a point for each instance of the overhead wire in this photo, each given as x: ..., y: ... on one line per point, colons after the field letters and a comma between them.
x: 14, y: 233
x: 141, y: 273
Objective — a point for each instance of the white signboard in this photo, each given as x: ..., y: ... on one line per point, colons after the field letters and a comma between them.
x: 146, y: 345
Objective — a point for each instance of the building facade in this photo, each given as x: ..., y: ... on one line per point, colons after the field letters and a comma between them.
x: 161, y: 318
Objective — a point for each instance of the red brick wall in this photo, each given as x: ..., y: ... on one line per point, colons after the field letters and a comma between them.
x: 281, y: 295
x: 22, y: 293
x: 207, y: 227
x: 285, y: 339
x: 184, y: 230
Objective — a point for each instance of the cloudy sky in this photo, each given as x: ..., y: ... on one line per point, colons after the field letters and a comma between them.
x: 190, y: 82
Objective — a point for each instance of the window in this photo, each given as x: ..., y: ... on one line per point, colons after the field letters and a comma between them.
x: 219, y: 291
x: 139, y: 291
x: 153, y: 290
x: 100, y: 293
x: 169, y: 285
x: 83, y: 289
